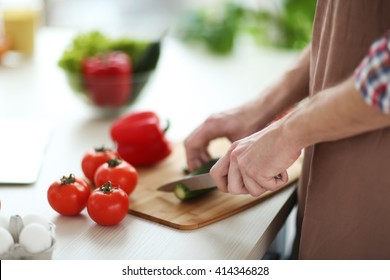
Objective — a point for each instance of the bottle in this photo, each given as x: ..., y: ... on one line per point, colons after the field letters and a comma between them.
x: 20, y: 21
x: 4, y: 42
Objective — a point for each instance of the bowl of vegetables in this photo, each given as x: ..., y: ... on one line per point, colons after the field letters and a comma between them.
x: 108, y: 74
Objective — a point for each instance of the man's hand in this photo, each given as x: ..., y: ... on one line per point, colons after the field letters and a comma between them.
x: 257, y: 163
x: 233, y: 124
x: 252, y: 165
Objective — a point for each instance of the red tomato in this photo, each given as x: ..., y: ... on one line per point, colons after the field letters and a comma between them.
x: 119, y: 172
x: 68, y: 196
x: 94, y: 158
x: 108, y: 206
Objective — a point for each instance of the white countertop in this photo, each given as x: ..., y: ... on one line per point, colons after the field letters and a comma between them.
x: 187, y: 86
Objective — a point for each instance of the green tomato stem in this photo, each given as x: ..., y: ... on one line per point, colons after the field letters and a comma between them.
x: 68, y: 180
x: 114, y: 162
x: 102, y: 149
x: 106, y: 187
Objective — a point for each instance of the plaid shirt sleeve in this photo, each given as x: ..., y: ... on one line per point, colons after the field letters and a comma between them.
x: 372, y: 77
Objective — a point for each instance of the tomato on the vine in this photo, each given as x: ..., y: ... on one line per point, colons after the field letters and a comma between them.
x: 69, y: 195
x: 94, y: 158
x: 108, y: 205
x: 119, y: 172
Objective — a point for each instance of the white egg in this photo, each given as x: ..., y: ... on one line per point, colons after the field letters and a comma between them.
x: 6, y: 241
x: 35, y: 238
x: 35, y: 219
x: 4, y: 221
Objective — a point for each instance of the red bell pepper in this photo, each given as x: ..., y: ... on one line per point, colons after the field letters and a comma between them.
x: 107, y: 78
x: 140, y: 139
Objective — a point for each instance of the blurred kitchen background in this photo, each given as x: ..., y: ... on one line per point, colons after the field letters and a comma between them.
x: 278, y: 23
x: 140, y: 17
x: 212, y: 24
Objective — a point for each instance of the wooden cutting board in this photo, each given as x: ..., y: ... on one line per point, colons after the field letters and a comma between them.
x: 164, y: 208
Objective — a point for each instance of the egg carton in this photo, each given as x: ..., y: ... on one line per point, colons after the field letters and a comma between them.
x: 17, y: 251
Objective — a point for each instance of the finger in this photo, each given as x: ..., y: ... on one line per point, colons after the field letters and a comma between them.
x: 205, y: 156
x: 195, y: 150
x: 197, y: 142
x: 252, y: 187
x: 235, y: 183
x: 194, y: 164
x: 276, y: 182
x: 282, y: 178
x: 196, y: 157
x: 199, y: 161
x: 219, y: 173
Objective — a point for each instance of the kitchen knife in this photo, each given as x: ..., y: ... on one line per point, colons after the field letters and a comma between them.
x: 193, y: 182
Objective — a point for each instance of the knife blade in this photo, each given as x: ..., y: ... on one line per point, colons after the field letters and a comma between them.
x: 193, y: 182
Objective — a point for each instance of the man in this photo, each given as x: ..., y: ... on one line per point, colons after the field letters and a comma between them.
x: 344, y: 190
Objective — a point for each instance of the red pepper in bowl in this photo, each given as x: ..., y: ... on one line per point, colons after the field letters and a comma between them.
x: 139, y: 138
x: 107, y: 78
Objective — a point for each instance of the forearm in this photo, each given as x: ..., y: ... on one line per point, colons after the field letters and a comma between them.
x: 336, y: 113
x: 291, y: 88
x: 249, y: 118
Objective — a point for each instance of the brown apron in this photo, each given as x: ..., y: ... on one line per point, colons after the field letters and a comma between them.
x: 344, y: 192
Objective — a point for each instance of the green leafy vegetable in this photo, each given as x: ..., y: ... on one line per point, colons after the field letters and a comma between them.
x: 82, y: 46
x: 288, y: 27
x: 93, y: 43
x: 217, y: 30
x: 143, y: 55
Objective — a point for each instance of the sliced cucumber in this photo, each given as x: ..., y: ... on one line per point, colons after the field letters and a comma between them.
x: 203, y: 169
x: 183, y: 193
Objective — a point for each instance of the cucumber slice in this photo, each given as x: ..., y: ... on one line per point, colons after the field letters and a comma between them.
x: 203, y: 169
x: 183, y: 193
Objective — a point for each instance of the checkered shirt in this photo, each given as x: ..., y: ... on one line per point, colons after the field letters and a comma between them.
x: 372, y: 77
